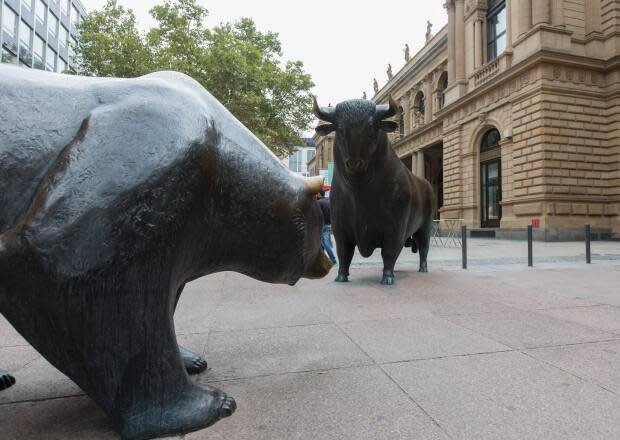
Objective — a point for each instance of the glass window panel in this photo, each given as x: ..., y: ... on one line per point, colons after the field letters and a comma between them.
x: 63, y: 35
x: 62, y: 65
x: 27, y: 4
x: 41, y: 10
x: 25, y: 34
x: 500, y: 21
x: 64, y: 6
x: 53, y: 24
x: 50, y: 59
x: 9, y: 20
x: 75, y: 15
x: 39, y: 44
x: 500, y: 44
x: 493, y: 172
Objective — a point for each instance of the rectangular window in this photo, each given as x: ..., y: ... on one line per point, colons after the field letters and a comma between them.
x: 496, y: 31
x: 41, y: 11
x: 311, y: 154
x: 63, y: 36
x: 52, y: 25
x: 50, y: 59
x: 39, y: 44
x: 64, y: 6
x: 25, y: 34
x: 9, y: 20
x: 27, y: 4
x: 61, y: 66
x: 75, y: 16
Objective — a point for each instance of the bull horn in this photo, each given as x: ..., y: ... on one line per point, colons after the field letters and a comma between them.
x: 385, y: 111
x: 314, y: 184
x: 323, y: 113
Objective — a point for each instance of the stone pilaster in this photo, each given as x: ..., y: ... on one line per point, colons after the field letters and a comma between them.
x: 428, y: 99
x: 459, y: 11
x: 541, y: 13
x: 557, y: 13
x: 451, y: 41
x: 478, y: 48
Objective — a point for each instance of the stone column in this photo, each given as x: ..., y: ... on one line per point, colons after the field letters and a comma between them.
x: 557, y: 13
x: 509, y: 25
x: 478, y: 44
x: 420, y: 164
x: 459, y: 28
x: 541, y: 14
x: 428, y: 99
x: 593, y: 16
x: 414, y: 163
x: 451, y: 42
x: 525, y: 16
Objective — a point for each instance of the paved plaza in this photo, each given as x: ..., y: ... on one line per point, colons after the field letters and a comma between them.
x: 499, y: 351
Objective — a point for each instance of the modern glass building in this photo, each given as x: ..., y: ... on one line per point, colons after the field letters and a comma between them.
x: 39, y: 33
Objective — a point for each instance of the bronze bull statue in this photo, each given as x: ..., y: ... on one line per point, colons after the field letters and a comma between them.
x: 376, y: 202
x: 115, y: 193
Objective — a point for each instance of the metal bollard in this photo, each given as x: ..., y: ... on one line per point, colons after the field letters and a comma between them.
x: 464, y: 245
x: 588, y: 240
x: 530, y: 255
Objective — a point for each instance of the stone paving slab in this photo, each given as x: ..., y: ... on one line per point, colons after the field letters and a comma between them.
x: 247, y: 353
x: 417, y: 338
x: 343, y: 404
x: 323, y: 360
x: 596, y: 362
x: 508, y: 396
x: 524, y: 329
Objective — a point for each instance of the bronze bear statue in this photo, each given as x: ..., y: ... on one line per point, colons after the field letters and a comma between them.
x: 117, y: 192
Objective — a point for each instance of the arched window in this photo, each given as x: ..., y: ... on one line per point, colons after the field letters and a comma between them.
x: 490, y: 179
x: 442, y: 85
x: 419, y: 106
x: 496, y: 28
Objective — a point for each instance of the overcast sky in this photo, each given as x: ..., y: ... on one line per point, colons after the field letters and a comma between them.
x: 343, y: 44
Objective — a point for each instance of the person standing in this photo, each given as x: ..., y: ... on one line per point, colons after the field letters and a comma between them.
x: 327, y: 226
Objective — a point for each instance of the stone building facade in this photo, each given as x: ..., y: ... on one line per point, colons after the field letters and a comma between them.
x: 323, y: 156
x: 512, y: 112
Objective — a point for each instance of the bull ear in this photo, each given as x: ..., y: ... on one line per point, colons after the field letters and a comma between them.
x: 325, y: 129
x: 388, y: 126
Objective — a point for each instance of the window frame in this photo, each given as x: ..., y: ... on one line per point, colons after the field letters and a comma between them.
x: 492, y: 35
x: 13, y: 32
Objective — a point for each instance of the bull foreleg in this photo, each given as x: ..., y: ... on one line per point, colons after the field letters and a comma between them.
x: 345, y: 249
x: 389, y: 254
x: 423, y: 239
x: 193, y: 362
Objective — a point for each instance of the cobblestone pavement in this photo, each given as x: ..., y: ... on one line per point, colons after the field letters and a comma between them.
x: 500, y: 351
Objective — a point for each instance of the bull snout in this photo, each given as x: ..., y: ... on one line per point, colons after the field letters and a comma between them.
x: 356, y: 165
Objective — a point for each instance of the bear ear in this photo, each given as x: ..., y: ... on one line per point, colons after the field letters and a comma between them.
x: 325, y: 129
x: 388, y: 126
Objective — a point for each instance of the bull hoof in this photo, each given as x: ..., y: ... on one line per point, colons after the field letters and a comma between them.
x: 342, y: 278
x: 6, y: 380
x: 194, y: 364
x: 423, y: 267
x: 195, y: 409
x: 388, y: 278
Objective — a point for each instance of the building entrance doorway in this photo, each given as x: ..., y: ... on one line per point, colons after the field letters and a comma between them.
x: 433, y: 172
x: 490, y: 180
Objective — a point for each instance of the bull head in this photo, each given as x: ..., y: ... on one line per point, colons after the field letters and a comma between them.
x: 382, y: 112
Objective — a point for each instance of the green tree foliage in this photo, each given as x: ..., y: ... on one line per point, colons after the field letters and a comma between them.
x: 238, y: 64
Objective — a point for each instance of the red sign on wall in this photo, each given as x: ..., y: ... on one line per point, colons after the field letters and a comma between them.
x: 535, y: 223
